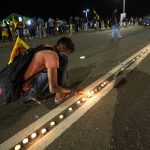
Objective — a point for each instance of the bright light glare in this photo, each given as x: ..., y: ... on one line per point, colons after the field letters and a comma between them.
x: 82, y: 57
x: 89, y: 94
x: 43, y: 131
x: 17, y: 147
x: 61, y: 117
x: 33, y: 135
x: 87, y: 10
x: 70, y: 109
x: 29, y: 22
x: 25, y: 141
x: 52, y: 123
x: 78, y: 102
x: 83, y: 99
x: 20, y: 19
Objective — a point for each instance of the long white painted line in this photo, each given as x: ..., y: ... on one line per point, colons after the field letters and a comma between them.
x: 35, y: 125
x: 62, y: 127
x: 12, y: 141
x: 108, y: 74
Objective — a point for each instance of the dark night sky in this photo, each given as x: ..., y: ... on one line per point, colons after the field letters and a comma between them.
x: 65, y: 8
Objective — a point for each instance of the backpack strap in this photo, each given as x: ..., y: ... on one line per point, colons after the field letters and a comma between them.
x: 44, y: 47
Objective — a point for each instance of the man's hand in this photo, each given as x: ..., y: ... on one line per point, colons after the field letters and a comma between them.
x: 66, y: 93
x: 65, y: 90
x: 77, y: 92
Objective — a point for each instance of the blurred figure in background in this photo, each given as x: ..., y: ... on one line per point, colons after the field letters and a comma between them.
x: 115, y: 24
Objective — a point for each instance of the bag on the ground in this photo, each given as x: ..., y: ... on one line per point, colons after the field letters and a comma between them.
x: 12, y: 76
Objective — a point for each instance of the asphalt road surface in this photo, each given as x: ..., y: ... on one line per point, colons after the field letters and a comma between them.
x: 120, y: 120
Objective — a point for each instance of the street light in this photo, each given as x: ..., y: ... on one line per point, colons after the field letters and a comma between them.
x: 123, y: 14
x: 86, y: 12
x: 124, y: 1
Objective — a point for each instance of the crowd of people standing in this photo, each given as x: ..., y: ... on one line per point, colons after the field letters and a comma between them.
x: 38, y: 27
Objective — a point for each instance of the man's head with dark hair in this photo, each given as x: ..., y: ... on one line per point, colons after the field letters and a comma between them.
x: 64, y: 44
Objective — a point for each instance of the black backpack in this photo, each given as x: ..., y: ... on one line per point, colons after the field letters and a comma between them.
x: 12, y: 76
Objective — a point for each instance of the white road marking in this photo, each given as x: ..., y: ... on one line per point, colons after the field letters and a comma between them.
x: 60, y: 128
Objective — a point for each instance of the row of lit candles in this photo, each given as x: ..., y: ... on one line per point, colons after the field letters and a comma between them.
x: 83, y: 99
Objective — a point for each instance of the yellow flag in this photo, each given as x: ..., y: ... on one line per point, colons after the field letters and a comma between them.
x: 95, y: 13
x: 14, y: 23
x: 19, y: 46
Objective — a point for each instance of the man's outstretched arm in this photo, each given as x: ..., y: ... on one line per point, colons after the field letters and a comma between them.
x: 53, y: 84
